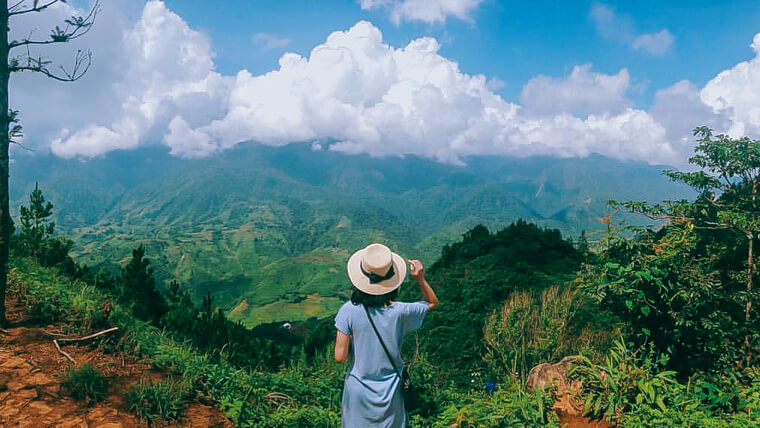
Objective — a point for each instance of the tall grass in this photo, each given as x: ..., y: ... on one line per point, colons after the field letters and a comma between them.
x: 526, y: 331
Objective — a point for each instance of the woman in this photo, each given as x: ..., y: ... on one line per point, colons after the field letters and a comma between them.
x: 371, y: 393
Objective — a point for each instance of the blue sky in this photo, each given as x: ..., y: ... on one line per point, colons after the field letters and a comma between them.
x: 509, y: 40
x: 441, y: 79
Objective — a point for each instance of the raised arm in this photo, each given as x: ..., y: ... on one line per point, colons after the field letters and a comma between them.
x: 418, y: 272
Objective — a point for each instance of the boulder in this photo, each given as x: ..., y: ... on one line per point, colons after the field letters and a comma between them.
x: 547, y: 375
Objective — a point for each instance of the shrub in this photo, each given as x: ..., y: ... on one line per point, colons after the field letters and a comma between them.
x: 477, y: 275
x: 158, y: 401
x: 510, y: 406
x: 529, y: 330
x: 84, y: 383
x: 306, y: 416
x: 526, y: 331
x: 625, y: 381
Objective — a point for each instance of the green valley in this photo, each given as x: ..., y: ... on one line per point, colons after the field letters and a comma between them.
x: 264, y: 228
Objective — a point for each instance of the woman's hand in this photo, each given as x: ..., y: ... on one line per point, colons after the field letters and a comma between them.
x: 417, y: 270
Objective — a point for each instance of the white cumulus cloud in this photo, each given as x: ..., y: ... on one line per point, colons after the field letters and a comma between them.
x: 373, y: 98
x: 736, y: 93
x: 583, y: 92
x: 680, y: 109
x: 167, y: 71
x: 154, y: 82
x: 429, y: 11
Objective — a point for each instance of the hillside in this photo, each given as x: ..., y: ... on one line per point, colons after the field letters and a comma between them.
x: 34, y: 389
x: 267, y: 230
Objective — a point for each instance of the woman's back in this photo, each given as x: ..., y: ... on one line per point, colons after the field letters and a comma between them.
x: 393, y: 322
x: 371, y: 393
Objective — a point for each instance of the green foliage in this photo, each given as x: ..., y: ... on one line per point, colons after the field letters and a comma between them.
x: 528, y: 331
x: 719, y: 230
x: 625, y: 380
x: 680, y: 294
x: 84, y: 383
x: 475, y: 276
x: 664, y: 287
x: 582, y: 244
x: 137, y: 288
x: 159, y: 401
x: 510, y: 406
x: 208, y: 329
x: 307, y: 390
x: 55, y: 252
x: 36, y: 225
x: 633, y: 388
x: 262, y: 225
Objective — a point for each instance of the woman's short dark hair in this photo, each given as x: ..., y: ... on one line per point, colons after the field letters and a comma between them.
x: 361, y: 298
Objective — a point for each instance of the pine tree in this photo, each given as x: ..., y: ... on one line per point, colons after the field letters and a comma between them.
x: 36, y: 225
x: 138, y: 288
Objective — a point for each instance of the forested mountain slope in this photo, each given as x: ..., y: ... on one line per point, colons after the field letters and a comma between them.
x: 262, y: 226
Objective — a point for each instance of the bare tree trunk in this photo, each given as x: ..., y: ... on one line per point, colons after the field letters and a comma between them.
x: 4, y: 160
x: 748, y: 307
x: 750, y: 275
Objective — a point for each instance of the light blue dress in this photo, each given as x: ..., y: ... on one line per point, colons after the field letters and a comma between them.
x: 371, y: 392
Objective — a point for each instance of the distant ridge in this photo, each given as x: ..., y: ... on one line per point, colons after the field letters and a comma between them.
x: 273, y: 224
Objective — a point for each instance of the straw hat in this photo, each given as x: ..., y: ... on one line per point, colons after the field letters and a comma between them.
x: 376, y: 270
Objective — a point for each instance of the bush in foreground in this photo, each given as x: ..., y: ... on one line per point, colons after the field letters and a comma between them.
x: 161, y: 400
x: 85, y: 383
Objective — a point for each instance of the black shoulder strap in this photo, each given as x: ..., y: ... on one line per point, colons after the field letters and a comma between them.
x: 388, y: 354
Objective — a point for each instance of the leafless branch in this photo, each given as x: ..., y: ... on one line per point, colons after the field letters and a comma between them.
x: 23, y: 147
x: 76, y: 26
x: 82, y: 63
x: 62, y: 352
x: 708, y: 225
x: 79, y: 339
x: 15, y: 6
x: 34, y: 8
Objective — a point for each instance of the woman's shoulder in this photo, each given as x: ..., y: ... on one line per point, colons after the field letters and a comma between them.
x: 410, y: 305
x: 349, y: 307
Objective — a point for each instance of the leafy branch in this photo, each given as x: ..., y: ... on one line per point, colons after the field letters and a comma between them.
x: 15, y: 130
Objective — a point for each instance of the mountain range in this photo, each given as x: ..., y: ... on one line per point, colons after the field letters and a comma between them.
x: 267, y: 229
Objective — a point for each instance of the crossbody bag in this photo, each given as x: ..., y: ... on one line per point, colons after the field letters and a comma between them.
x: 408, y: 392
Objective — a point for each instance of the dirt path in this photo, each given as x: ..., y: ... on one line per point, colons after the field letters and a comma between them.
x: 30, y: 375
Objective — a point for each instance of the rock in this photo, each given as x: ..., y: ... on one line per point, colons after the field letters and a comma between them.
x: 7, y: 412
x: 25, y: 394
x: 72, y: 423
x: 545, y: 375
x: 100, y: 413
x: 38, y: 379
x: 40, y: 407
x: 15, y: 363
